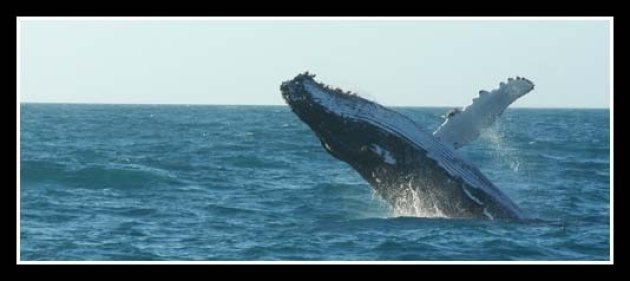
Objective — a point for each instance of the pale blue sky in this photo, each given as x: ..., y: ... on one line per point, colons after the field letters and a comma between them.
x: 408, y: 63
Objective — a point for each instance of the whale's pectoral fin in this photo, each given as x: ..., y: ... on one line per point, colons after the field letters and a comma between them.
x: 464, y: 126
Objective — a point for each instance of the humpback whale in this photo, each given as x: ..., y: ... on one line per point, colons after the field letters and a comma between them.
x: 402, y: 161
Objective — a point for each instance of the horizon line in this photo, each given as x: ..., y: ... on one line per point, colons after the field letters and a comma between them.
x: 228, y: 104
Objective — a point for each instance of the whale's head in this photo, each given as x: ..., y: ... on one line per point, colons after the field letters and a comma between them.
x: 331, y: 115
x: 314, y: 102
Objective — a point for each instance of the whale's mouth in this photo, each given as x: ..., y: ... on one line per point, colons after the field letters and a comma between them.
x: 294, y: 93
x: 306, y: 97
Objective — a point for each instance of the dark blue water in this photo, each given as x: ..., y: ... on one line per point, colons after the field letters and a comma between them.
x: 128, y: 182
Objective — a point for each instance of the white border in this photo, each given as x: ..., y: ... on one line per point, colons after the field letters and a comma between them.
x: 315, y: 262
x: 17, y: 141
x: 315, y: 18
x: 611, y: 112
x: 19, y: 20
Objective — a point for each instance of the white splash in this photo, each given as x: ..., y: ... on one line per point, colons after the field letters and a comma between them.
x: 410, y: 202
x: 501, y: 149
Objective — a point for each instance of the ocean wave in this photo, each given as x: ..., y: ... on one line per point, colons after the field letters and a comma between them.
x: 95, y: 176
x: 174, y: 183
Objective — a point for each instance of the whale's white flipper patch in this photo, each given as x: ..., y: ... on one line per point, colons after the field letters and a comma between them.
x: 464, y: 126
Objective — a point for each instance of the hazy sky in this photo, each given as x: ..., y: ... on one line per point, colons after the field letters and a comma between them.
x: 411, y: 63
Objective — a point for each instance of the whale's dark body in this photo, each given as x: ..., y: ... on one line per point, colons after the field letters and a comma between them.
x: 399, y: 159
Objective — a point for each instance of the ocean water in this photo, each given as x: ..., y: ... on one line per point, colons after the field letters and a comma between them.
x: 234, y: 183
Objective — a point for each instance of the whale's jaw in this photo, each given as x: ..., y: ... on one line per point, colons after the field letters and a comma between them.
x: 404, y: 163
